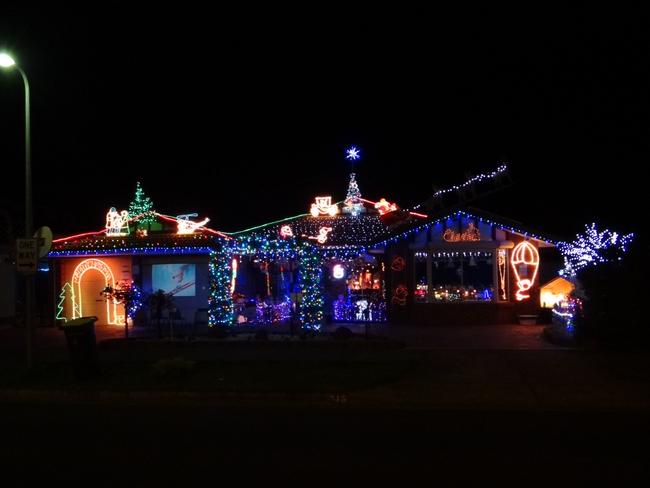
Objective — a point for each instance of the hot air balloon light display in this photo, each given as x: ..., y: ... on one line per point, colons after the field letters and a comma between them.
x: 525, y: 264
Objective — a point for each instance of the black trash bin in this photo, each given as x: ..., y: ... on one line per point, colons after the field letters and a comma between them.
x: 80, y: 336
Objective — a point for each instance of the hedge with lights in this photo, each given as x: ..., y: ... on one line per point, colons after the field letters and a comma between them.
x: 221, y: 309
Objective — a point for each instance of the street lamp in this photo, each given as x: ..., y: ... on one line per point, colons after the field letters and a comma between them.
x: 8, y: 62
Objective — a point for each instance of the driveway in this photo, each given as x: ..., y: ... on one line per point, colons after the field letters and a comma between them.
x: 467, y: 337
x: 509, y: 337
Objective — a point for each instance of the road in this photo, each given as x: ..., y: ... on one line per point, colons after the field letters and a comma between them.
x: 188, y: 446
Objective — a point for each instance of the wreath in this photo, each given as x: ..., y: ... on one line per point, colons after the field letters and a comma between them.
x: 398, y: 263
x: 399, y: 295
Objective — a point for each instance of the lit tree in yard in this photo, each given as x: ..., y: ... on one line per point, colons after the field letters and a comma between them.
x: 142, y: 205
x: 608, y: 288
x: 127, y: 293
x: 593, y: 248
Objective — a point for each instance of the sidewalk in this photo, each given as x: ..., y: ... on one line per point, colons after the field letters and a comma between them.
x: 487, y: 367
x: 406, y: 379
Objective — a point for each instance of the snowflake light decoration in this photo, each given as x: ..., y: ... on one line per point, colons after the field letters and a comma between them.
x: 352, y: 153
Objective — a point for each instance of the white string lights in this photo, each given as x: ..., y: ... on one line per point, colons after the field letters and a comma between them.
x: 592, y: 248
x: 476, y: 179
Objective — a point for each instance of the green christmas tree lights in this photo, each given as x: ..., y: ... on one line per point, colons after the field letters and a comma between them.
x: 141, y: 205
x: 65, y: 291
x: 221, y: 309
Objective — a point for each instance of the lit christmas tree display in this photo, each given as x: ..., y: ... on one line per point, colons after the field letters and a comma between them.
x: 142, y: 206
x: 67, y: 289
x: 353, y: 203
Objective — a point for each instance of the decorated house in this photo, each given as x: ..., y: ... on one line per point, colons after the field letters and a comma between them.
x: 452, y: 264
x: 139, y: 251
x: 354, y: 260
x: 466, y: 267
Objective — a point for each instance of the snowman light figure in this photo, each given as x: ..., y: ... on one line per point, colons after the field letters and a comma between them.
x: 525, y: 264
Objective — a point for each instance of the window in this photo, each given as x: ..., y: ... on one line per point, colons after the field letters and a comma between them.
x: 454, y: 277
x: 421, y: 292
x: 358, y: 288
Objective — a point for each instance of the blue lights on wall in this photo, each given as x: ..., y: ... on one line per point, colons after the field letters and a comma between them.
x: 132, y: 251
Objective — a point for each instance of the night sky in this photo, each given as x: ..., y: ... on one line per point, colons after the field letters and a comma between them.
x: 244, y: 117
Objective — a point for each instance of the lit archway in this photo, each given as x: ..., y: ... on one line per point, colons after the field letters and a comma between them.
x: 109, y: 280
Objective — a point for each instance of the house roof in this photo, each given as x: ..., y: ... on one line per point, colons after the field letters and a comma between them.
x: 164, y: 241
x: 370, y: 229
x: 101, y: 245
x: 366, y: 230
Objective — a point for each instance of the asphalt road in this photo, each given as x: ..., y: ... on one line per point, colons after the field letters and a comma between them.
x: 199, y: 446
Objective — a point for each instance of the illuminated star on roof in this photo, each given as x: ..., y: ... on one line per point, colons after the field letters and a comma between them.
x: 352, y: 153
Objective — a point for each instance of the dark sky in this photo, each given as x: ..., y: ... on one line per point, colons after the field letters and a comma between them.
x: 244, y: 116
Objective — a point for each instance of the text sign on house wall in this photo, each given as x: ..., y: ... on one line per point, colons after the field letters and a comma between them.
x: 26, y: 255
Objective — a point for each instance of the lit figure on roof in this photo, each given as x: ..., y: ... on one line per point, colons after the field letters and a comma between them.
x: 286, y: 232
x: 117, y: 223
x: 323, y: 206
x: 321, y: 238
x: 352, y: 153
x: 353, y: 203
x: 384, y: 206
x: 186, y: 226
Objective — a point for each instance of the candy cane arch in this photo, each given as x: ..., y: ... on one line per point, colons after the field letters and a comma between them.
x: 109, y: 279
x: 527, y: 255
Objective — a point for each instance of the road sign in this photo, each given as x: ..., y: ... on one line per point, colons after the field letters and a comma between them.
x: 26, y: 255
x: 44, y: 237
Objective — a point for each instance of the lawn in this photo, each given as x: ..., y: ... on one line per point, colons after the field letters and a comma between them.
x: 178, y: 374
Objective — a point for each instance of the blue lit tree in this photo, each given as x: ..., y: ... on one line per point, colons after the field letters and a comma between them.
x: 592, y: 248
x: 603, y: 305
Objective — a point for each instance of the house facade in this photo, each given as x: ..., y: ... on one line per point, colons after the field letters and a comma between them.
x: 352, y: 261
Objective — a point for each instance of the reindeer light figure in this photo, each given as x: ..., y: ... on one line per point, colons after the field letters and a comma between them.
x: 186, y: 226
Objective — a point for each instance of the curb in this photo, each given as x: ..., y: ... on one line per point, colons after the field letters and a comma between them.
x: 332, y: 402
x: 170, y: 398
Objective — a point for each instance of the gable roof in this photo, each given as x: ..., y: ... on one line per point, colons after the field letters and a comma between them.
x: 167, y: 241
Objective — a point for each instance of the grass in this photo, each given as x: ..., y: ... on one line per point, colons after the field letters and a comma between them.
x: 218, y: 376
x: 576, y: 379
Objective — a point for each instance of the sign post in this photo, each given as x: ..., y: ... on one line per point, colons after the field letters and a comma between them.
x: 26, y: 256
x: 26, y: 262
x: 44, y: 240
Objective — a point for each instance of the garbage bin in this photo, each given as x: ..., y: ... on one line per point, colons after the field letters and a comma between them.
x: 80, y: 336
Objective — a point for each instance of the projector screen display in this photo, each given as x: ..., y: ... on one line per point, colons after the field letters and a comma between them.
x: 176, y: 279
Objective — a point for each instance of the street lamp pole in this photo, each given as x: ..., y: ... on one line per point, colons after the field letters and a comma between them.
x: 7, y: 61
x: 29, y: 213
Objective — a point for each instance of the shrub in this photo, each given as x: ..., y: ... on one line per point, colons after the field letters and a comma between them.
x: 219, y: 331
x: 342, y: 334
x: 261, y: 335
x: 177, y: 367
x: 614, y: 310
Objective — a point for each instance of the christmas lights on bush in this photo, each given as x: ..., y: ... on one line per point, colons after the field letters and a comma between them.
x: 592, y: 248
x: 220, y: 302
